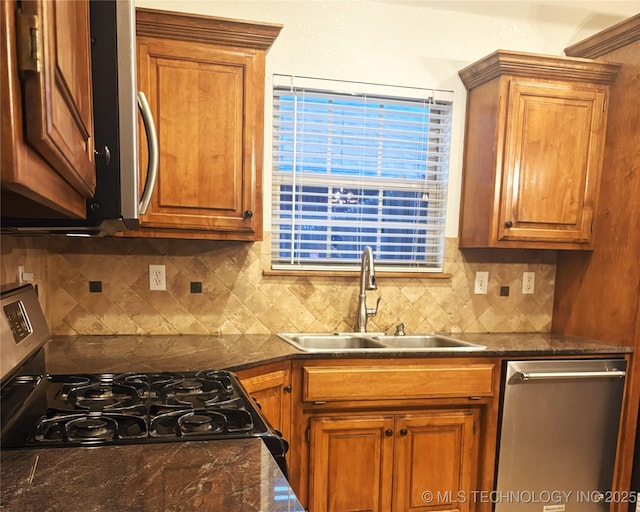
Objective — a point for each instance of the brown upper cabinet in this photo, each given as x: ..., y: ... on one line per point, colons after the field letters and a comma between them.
x: 47, y: 112
x: 534, y: 140
x: 204, y: 79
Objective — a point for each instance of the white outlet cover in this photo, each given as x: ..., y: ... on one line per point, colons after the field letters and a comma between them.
x: 482, y: 283
x: 157, y: 278
x: 528, y: 283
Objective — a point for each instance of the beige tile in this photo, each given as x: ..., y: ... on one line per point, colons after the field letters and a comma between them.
x: 238, y: 298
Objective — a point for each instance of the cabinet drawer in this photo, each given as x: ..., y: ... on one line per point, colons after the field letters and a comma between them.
x: 333, y: 383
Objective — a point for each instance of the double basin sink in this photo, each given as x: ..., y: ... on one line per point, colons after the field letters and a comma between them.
x: 350, y: 342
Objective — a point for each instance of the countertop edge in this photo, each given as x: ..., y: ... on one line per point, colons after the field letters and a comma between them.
x: 120, y: 353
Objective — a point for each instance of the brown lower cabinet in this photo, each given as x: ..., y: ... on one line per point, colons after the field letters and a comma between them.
x: 415, y: 461
x: 270, y: 386
x: 385, y: 435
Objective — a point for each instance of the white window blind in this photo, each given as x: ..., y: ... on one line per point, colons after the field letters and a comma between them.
x: 357, y: 165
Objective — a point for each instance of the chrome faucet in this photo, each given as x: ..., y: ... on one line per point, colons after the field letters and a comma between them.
x: 367, y: 282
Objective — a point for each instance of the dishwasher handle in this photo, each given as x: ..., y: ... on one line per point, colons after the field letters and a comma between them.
x: 570, y: 375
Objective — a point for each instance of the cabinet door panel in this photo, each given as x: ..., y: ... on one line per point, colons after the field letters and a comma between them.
x: 201, y: 97
x: 434, y: 453
x: 268, y: 390
x: 351, y: 461
x: 209, y: 118
x: 57, y: 98
x: 553, y: 144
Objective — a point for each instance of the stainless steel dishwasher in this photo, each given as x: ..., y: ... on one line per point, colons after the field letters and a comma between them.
x: 558, y: 435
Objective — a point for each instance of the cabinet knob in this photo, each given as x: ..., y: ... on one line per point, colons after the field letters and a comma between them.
x: 403, y: 432
x: 508, y: 224
x: 247, y: 214
x: 287, y: 388
x: 105, y: 154
x: 388, y: 432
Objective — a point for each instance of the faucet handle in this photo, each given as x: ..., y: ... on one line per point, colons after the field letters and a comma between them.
x: 400, y: 329
x: 374, y: 311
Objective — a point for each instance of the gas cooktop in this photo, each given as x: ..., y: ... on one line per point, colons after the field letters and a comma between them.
x: 43, y: 410
x: 133, y: 407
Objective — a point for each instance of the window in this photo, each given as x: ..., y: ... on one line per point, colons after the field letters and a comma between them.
x: 352, y: 169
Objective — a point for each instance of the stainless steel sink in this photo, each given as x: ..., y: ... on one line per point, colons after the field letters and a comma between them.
x: 339, y: 342
x: 331, y: 342
x: 426, y: 342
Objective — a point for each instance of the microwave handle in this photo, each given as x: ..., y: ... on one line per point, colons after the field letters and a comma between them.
x: 152, y: 143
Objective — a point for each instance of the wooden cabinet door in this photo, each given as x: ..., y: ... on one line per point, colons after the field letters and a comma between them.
x: 435, y: 455
x: 206, y: 111
x: 272, y: 391
x: 204, y: 79
x: 534, y: 139
x: 351, y: 463
x: 553, y: 152
x: 58, y: 94
x: 46, y: 158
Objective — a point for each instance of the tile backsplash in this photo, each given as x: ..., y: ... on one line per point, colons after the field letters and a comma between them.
x: 238, y: 298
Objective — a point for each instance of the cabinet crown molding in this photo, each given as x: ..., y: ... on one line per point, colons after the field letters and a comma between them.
x: 617, y: 36
x: 206, y: 29
x: 504, y: 62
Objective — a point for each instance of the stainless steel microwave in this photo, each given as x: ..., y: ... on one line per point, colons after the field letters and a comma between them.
x: 118, y: 200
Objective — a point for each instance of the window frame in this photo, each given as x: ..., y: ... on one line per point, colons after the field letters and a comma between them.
x: 440, y: 103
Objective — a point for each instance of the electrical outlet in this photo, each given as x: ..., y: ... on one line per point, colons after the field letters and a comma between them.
x: 528, y: 283
x: 482, y: 281
x: 157, y: 278
x: 24, y: 277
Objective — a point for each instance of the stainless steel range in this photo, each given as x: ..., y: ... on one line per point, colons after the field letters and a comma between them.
x: 43, y: 410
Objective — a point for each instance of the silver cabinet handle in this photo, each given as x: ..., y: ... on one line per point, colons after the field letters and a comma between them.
x: 570, y: 375
x: 152, y: 143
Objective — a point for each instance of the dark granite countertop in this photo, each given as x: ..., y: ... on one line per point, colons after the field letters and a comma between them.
x: 227, y: 475
x: 123, y: 353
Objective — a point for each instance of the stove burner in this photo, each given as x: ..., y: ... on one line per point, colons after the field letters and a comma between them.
x: 148, y: 384
x: 201, y: 422
x: 95, y: 427
x: 202, y: 391
x: 188, y: 386
x: 89, y: 428
x: 97, y: 397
